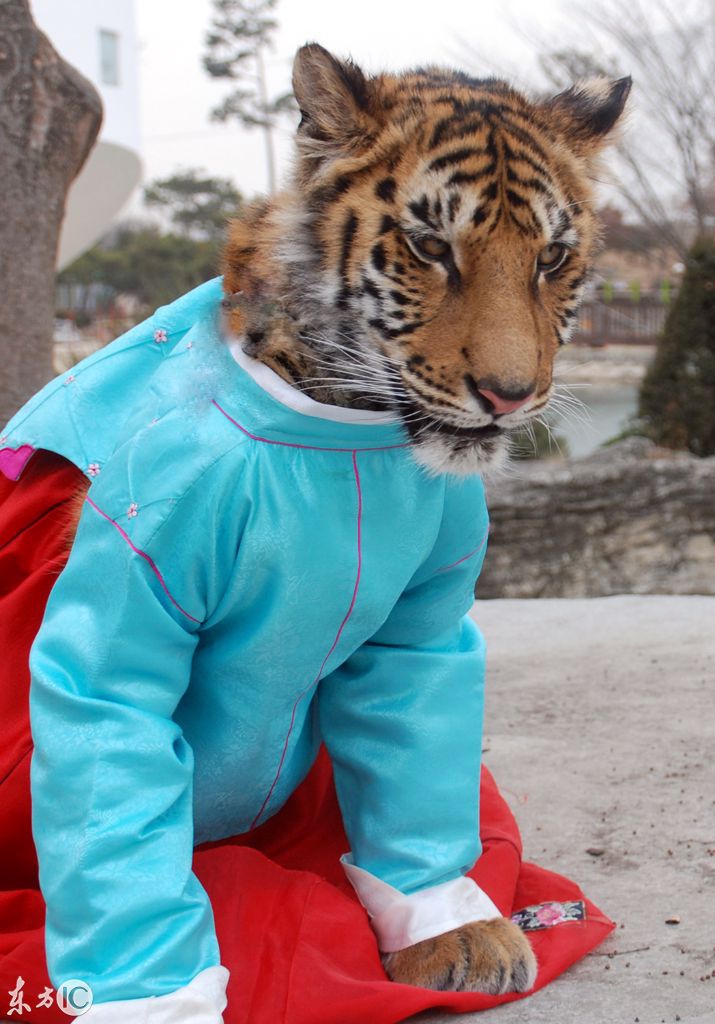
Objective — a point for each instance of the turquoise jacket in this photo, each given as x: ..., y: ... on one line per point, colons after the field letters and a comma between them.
x: 246, y: 582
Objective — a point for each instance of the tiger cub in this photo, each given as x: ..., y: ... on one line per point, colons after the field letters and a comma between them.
x: 428, y: 259
x: 430, y: 252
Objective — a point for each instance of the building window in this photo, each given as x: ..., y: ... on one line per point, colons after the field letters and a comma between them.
x: 109, y: 56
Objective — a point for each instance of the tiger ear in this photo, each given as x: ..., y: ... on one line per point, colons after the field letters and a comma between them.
x: 335, y: 101
x: 588, y: 111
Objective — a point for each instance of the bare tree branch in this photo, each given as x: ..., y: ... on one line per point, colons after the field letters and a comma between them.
x: 665, y: 166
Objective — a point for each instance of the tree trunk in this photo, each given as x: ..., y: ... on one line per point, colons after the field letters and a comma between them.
x: 267, y: 125
x: 50, y: 116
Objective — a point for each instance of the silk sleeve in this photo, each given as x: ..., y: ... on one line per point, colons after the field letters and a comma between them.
x: 112, y: 773
x: 402, y: 718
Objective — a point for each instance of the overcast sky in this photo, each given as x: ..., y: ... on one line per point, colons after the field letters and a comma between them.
x: 177, y: 95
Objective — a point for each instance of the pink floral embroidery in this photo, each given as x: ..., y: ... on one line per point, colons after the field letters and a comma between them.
x: 549, y: 913
x: 70, y: 379
x: 132, y: 510
x: 190, y: 344
x: 93, y: 469
x: 160, y: 336
x: 3, y: 439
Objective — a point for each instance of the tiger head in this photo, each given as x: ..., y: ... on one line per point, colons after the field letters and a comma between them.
x: 433, y: 245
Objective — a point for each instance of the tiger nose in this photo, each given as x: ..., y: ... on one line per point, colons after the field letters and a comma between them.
x: 504, y: 402
x: 499, y: 399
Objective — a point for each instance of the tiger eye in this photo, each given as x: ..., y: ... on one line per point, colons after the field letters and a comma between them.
x: 552, y: 256
x: 431, y: 247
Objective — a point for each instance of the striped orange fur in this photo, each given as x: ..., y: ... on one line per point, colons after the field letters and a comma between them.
x: 432, y: 246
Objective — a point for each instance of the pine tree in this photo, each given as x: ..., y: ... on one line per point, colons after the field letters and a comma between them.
x: 241, y: 31
x: 677, y: 400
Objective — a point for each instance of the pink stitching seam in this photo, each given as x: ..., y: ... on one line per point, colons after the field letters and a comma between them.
x: 334, y: 644
x: 309, y: 447
x: 147, y: 558
x: 453, y: 565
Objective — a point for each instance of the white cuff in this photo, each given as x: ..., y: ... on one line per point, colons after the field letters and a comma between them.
x: 399, y: 920
x: 202, y: 1001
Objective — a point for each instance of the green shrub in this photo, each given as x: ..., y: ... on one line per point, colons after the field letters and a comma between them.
x: 677, y: 398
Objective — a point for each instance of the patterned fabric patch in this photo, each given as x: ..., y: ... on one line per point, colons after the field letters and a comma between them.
x: 546, y: 915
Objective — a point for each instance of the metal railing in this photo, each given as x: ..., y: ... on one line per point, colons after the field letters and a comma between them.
x: 621, y: 321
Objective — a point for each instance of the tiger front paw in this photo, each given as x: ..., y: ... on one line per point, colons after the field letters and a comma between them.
x: 493, y: 957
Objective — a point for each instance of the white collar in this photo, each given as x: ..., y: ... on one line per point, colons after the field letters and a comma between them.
x: 287, y: 395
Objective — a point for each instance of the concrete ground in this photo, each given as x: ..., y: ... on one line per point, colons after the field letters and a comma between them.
x: 601, y: 732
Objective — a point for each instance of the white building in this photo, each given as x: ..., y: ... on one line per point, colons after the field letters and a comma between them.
x: 98, y: 38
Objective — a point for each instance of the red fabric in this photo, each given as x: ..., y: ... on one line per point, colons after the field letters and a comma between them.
x: 292, y: 934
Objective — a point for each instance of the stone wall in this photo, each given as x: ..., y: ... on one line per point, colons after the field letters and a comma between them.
x: 631, y: 519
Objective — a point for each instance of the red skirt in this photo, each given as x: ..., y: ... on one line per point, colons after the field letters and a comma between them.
x: 295, y: 939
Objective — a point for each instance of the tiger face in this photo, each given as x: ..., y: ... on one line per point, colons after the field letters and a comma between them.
x: 436, y: 242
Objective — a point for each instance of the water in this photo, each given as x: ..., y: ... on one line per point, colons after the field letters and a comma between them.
x: 609, y: 406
